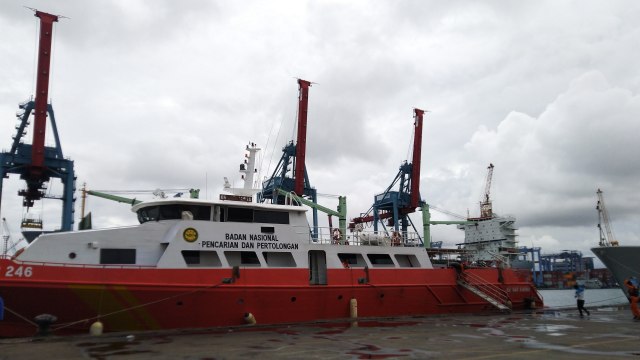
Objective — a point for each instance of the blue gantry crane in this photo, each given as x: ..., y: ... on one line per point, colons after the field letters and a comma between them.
x: 396, y: 205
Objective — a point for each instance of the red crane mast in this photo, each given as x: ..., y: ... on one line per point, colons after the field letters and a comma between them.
x: 42, y: 93
x: 301, y: 142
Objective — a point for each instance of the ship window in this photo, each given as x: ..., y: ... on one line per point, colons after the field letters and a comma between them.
x: 249, y: 258
x: 170, y: 212
x: 242, y: 258
x: 148, y: 214
x: 173, y: 212
x: 201, y: 258
x: 380, y: 260
x: 117, y: 256
x: 239, y: 214
x: 407, y: 260
x: 267, y: 230
x: 191, y: 257
x: 279, y: 259
x: 352, y: 259
x: 271, y: 217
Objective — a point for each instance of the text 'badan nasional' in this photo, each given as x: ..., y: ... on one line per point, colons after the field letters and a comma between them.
x: 249, y: 241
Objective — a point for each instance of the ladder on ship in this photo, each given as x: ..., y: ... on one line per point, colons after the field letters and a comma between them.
x: 493, y: 294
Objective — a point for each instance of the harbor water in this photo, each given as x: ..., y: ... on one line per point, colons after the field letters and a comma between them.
x: 563, y: 299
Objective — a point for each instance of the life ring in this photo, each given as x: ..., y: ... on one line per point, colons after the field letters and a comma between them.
x: 396, y: 239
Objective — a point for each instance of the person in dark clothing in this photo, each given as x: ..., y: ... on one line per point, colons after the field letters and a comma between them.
x: 580, y: 297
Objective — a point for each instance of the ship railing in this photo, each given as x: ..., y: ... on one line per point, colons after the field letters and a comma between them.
x: 332, y: 236
x: 500, y: 258
x: 494, y: 292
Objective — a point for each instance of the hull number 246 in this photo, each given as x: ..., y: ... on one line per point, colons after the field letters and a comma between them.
x: 20, y: 271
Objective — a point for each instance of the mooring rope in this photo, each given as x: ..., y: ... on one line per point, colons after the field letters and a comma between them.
x: 98, y: 317
x: 21, y: 317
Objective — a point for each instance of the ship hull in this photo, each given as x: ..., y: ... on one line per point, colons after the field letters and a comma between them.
x: 622, y: 261
x: 137, y: 299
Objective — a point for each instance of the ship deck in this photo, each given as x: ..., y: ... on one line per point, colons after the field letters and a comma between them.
x: 557, y: 334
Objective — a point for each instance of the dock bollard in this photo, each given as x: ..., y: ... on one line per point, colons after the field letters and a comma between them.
x: 96, y: 328
x: 44, y: 322
x: 353, y: 312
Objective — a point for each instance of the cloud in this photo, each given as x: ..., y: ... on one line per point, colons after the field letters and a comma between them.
x: 167, y: 95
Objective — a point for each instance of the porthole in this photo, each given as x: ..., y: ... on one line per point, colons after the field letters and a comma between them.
x: 72, y: 255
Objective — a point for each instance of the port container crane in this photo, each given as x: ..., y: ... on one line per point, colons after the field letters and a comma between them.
x: 36, y: 163
x: 293, y: 158
x: 396, y: 205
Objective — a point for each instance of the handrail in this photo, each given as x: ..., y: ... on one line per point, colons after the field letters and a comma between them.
x: 488, y: 288
x: 328, y: 236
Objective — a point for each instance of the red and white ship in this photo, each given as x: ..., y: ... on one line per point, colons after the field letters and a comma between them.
x: 193, y: 264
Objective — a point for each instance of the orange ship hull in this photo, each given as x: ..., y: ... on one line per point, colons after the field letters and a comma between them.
x: 135, y: 298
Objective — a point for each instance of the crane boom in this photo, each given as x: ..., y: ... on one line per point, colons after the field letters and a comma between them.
x: 486, y: 210
x: 606, y: 235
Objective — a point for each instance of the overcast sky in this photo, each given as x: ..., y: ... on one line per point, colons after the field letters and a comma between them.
x: 165, y: 94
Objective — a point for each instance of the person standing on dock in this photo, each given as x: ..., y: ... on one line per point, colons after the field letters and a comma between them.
x: 632, y: 289
x: 580, y: 297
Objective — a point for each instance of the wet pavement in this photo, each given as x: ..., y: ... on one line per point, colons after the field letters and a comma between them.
x: 554, y: 334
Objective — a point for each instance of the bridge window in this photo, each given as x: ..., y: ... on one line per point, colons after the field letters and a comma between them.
x: 271, y: 217
x: 173, y: 212
x: 239, y: 214
x: 242, y: 214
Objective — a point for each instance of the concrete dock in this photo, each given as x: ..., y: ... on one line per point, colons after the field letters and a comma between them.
x: 542, y: 334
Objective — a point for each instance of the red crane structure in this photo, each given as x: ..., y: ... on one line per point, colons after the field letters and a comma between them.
x: 36, y: 163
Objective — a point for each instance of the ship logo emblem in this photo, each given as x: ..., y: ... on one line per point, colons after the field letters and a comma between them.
x: 190, y: 234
